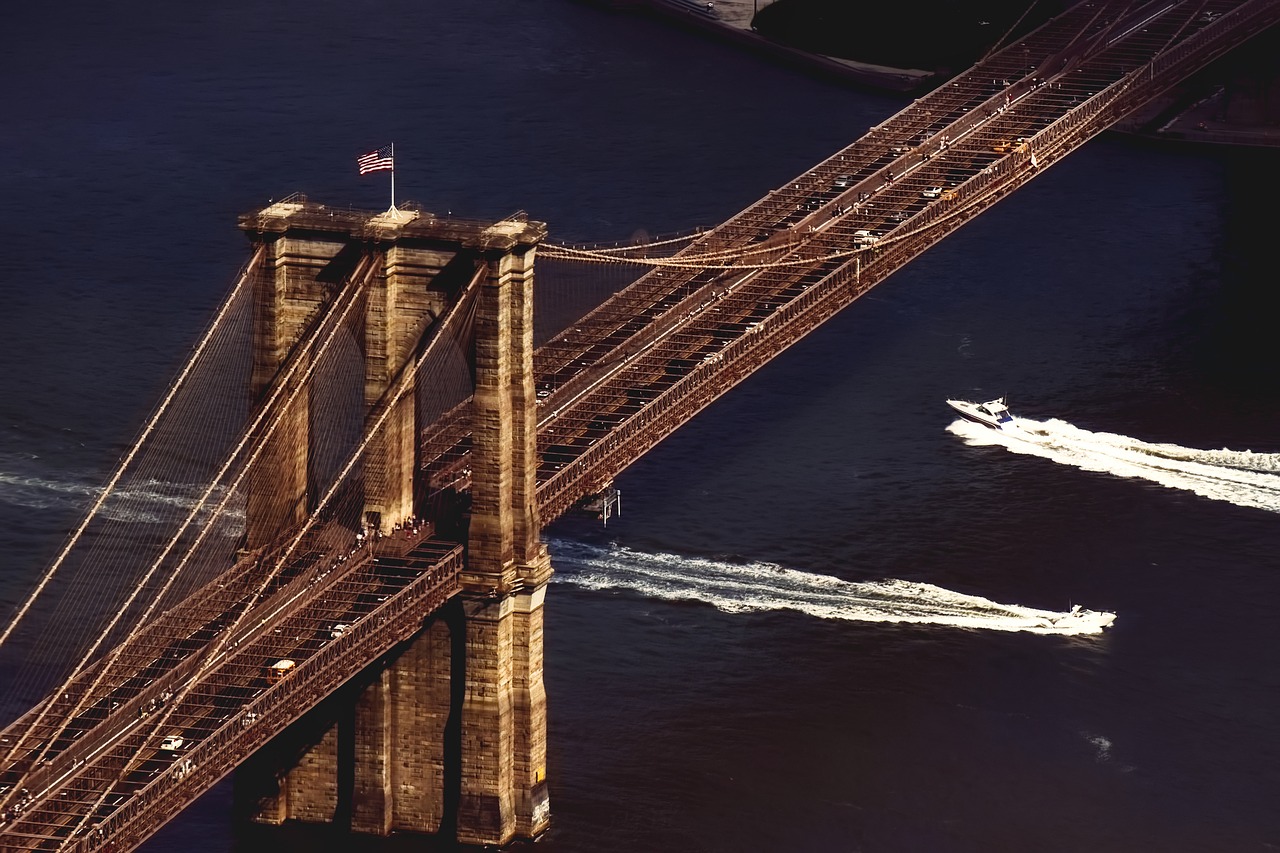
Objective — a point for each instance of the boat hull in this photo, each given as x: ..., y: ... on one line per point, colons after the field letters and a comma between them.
x: 992, y: 414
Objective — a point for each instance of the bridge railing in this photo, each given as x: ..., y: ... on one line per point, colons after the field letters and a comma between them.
x: 396, y: 620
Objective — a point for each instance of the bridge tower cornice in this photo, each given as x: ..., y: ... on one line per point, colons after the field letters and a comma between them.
x: 420, y: 263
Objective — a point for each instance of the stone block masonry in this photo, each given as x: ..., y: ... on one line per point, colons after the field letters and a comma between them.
x: 446, y: 734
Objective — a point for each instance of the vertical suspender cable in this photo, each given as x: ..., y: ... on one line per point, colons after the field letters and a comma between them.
x: 133, y: 451
x: 261, y: 444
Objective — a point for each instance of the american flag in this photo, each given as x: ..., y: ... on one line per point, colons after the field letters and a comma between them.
x: 376, y: 161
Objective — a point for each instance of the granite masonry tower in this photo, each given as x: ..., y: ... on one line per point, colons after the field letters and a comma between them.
x: 445, y: 734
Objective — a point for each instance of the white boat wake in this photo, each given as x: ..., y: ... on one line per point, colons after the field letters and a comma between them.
x: 762, y: 587
x: 142, y: 503
x: 1240, y: 477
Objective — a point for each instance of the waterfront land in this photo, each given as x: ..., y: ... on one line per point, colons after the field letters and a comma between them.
x: 914, y: 48
x: 1236, y: 101
x: 936, y: 35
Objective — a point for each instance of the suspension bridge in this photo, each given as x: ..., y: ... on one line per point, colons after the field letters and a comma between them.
x: 347, y: 604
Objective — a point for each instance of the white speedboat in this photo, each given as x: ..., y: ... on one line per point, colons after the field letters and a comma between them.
x: 1083, y: 619
x: 993, y: 413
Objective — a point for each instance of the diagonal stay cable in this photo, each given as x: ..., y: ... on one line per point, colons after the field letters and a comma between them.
x: 378, y: 419
x: 250, y: 432
x: 213, y: 652
x: 279, y: 385
x: 137, y: 446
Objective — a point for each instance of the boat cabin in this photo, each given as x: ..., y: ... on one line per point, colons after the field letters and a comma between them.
x: 996, y: 410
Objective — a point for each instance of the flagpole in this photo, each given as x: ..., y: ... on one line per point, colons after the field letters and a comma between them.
x: 393, y: 176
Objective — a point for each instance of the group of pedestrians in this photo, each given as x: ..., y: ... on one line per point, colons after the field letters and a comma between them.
x: 24, y: 799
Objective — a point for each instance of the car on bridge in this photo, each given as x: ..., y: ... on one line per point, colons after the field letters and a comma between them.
x: 279, y: 670
x: 172, y: 743
x: 1004, y: 146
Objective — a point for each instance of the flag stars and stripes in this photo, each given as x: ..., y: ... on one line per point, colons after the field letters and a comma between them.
x: 377, y: 161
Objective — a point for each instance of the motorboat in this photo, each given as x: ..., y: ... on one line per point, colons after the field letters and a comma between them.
x: 993, y: 413
x: 1082, y: 619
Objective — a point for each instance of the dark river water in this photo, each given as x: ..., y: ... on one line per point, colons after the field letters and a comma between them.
x: 726, y: 668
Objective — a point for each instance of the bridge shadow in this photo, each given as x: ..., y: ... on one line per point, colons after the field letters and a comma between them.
x: 257, y: 780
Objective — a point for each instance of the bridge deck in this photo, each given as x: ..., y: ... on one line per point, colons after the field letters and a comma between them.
x: 109, y: 762
x: 636, y: 368
x: 909, y: 182
x: 615, y: 384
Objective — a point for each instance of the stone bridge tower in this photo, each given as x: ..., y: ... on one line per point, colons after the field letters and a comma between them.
x: 447, y: 733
